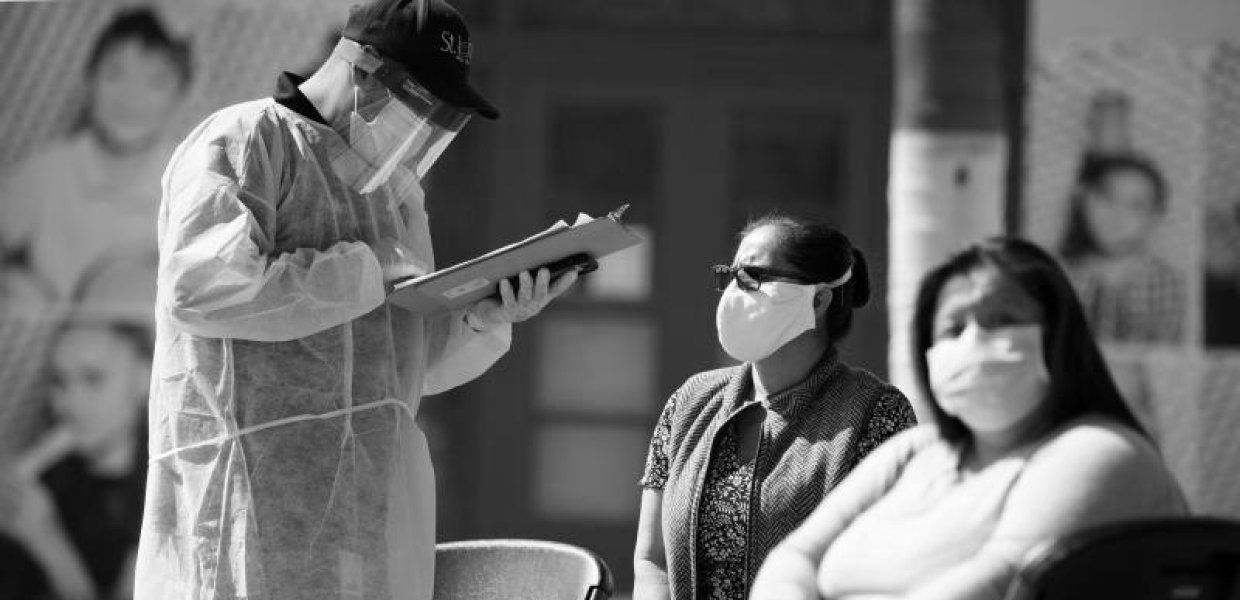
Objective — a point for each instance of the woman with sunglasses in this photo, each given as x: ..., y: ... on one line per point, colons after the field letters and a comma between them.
x: 741, y: 455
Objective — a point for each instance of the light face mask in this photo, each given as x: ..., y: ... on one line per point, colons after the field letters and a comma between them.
x: 989, y: 379
x: 754, y: 324
x: 410, y: 129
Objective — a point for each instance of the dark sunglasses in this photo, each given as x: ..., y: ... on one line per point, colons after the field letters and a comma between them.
x: 749, y: 278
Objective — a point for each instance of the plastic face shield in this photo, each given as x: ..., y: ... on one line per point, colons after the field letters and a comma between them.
x: 410, y: 129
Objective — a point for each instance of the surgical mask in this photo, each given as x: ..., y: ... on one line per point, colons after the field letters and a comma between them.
x: 752, y: 325
x: 409, y: 129
x: 989, y: 379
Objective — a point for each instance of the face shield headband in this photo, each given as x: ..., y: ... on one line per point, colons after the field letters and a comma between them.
x: 409, y: 129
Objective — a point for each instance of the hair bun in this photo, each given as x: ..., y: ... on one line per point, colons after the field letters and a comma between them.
x: 860, y: 279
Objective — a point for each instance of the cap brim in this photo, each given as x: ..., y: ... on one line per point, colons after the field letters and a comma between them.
x: 464, y: 97
x: 453, y: 90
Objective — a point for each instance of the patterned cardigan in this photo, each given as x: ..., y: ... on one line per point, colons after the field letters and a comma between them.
x: 810, y: 440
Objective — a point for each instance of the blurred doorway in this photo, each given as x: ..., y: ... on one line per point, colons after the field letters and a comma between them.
x: 697, y: 133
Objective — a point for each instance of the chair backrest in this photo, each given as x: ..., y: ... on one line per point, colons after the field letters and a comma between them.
x: 519, y: 570
x: 1190, y: 558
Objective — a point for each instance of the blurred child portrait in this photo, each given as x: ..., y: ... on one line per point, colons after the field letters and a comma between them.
x: 72, y: 503
x: 1130, y: 294
x: 96, y: 191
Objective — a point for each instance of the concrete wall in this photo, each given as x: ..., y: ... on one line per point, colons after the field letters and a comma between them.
x: 1185, y: 23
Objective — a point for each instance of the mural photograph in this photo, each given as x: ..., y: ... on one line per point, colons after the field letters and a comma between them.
x: 1131, y: 179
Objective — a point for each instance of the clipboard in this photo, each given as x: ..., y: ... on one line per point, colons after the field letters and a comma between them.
x: 577, y: 246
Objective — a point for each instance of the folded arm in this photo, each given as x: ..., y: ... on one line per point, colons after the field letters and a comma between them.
x: 29, y: 518
x: 220, y: 274
x: 1085, y: 475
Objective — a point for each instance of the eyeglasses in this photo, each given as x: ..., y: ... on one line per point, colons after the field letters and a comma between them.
x: 749, y: 277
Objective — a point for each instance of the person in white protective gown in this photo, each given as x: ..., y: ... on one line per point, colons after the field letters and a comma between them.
x: 285, y: 460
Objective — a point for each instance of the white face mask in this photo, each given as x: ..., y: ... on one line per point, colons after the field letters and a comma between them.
x: 990, y: 379
x: 384, y: 141
x: 396, y: 138
x: 752, y: 325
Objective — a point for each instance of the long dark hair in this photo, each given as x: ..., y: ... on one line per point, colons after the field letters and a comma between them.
x: 1091, y: 176
x: 822, y: 254
x: 142, y: 25
x: 1080, y: 382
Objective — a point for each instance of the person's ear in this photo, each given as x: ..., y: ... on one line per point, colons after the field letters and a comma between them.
x: 822, y: 300
x: 358, y: 77
x: 371, y: 51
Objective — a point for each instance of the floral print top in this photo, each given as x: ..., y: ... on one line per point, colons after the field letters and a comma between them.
x: 723, y: 516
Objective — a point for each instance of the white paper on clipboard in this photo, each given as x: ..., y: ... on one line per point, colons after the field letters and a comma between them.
x: 465, y: 283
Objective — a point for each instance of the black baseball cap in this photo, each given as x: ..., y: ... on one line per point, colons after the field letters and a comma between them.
x: 426, y: 37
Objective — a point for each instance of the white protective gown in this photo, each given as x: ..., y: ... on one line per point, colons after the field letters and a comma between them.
x: 285, y: 461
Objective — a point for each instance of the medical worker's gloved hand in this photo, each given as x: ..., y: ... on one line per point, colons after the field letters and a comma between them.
x: 513, y: 307
x: 395, y: 260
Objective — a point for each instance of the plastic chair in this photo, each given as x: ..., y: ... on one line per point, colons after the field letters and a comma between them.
x: 519, y: 570
x: 1190, y: 558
